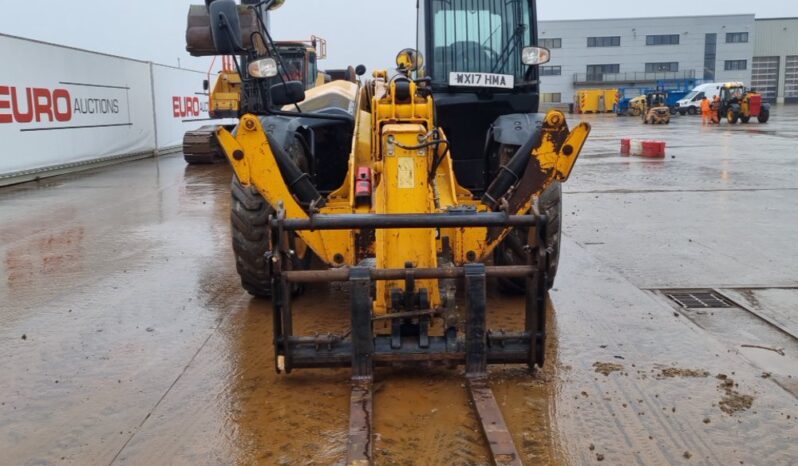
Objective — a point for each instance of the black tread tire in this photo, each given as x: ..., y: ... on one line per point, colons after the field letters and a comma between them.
x: 745, y: 118
x: 550, y: 204
x: 764, y: 115
x: 682, y: 112
x: 249, y: 216
x: 192, y: 159
x: 692, y: 110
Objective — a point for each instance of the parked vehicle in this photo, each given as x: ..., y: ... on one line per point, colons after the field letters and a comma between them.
x: 691, y: 103
x: 739, y: 103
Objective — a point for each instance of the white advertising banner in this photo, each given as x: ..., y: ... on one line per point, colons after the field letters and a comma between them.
x: 61, y: 106
x: 181, y: 104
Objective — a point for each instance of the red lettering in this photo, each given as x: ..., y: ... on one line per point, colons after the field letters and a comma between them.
x: 19, y: 116
x: 196, y: 104
x: 4, y: 90
x: 61, y: 95
x: 176, y: 106
x: 43, y: 107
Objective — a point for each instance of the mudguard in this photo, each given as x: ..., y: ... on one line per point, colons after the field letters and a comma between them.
x: 517, y: 128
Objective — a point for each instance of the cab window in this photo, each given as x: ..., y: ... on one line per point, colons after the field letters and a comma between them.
x: 485, y: 36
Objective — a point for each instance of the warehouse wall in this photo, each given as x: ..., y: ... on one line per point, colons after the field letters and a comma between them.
x: 633, y: 53
x: 64, y: 109
x: 777, y: 39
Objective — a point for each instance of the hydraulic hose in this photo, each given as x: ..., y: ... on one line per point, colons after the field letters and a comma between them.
x: 511, y: 173
x: 298, y: 182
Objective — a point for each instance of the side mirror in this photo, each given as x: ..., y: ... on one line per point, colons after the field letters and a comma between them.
x: 225, y: 27
x: 205, y: 85
x: 289, y: 93
x: 360, y: 70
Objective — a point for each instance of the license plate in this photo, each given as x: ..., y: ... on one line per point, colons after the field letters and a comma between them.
x: 504, y: 81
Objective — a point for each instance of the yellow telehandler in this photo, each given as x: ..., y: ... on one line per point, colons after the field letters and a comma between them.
x: 414, y: 187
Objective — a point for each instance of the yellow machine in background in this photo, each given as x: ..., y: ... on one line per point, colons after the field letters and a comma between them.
x: 595, y: 100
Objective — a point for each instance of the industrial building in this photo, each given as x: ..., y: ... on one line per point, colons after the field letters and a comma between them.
x: 644, y: 52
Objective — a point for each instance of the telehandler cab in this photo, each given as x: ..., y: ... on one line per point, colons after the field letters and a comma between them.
x: 406, y: 186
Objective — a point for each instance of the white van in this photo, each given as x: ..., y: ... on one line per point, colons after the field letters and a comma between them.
x: 691, y: 103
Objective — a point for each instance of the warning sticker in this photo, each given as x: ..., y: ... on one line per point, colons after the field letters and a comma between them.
x: 407, y: 172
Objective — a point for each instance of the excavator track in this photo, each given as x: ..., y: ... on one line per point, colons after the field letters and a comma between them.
x: 202, y: 147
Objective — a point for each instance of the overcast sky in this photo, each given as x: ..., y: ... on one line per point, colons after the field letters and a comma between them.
x: 358, y: 31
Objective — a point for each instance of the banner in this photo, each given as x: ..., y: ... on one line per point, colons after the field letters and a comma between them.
x: 181, y: 104
x: 61, y: 106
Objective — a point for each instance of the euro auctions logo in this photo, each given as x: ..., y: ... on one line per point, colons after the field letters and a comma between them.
x: 188, y: 107
x: 83, y: 105
x: 34, y: 104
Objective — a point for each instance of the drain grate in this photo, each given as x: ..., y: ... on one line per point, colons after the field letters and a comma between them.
x: 698, y: 299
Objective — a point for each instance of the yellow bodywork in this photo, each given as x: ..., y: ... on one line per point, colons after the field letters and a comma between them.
x: 226, y: 94
x: 389, y: 137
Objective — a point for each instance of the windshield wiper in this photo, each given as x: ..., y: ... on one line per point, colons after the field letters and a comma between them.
x: 509, y: 47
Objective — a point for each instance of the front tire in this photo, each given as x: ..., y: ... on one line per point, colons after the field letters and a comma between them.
x: 731, y: 117
x: 249, y: 219
x: 692, y: 111
x: 550, y: 204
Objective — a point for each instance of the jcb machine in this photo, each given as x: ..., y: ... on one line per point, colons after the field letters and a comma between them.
x: 655, y: 110
x: 739, y: 103
x: 408, y: 186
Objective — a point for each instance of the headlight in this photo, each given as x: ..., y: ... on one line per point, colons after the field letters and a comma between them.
x: 263, y: 68
x: 535, y: 55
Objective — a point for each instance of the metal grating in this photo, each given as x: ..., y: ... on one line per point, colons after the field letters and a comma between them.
x: 698, y: 299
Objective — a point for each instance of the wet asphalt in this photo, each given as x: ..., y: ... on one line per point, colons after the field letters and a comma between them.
x: 125, y: 337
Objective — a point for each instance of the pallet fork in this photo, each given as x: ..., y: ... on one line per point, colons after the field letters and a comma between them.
x: 409, y: 342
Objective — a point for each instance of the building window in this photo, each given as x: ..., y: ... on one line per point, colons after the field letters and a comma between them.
x: 550, y: 70
x: 597, y: 72
x: 710, y: 54
x: 551, y: 97
x: 611, y: 41
x: 551, y: 43
x: 662, y: 67
x: 735, y: 65
x: 736, y: 37
x: 663, y: 39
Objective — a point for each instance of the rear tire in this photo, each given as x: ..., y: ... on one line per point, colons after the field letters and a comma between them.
x: 549, y: 204
x: 764, y: 115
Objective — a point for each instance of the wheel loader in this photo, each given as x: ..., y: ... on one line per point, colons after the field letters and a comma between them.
x: 413, y: 187
x: 737, y: 103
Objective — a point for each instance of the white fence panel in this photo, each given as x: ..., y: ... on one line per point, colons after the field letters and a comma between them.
x: 180, y: 104
x: 62, y: 106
